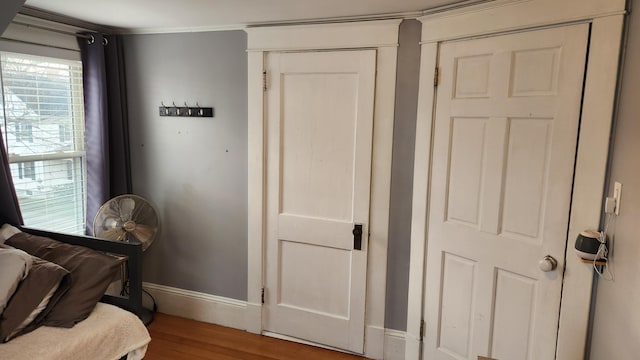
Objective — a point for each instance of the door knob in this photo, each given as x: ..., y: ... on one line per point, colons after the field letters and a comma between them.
x: 548, y: 263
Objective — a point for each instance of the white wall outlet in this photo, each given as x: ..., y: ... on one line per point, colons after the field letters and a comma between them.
x: 617, y: 194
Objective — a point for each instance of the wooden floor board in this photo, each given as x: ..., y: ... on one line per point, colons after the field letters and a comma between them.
x: 177, y: 338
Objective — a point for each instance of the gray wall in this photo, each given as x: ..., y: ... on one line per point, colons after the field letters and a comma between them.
x: 193, y: 169
x: 404, y: 138
x: 195, y: 172
x: 8, y: 9
x: 616, y: 318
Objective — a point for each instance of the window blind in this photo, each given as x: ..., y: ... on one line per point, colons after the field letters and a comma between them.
x: 43, y: 129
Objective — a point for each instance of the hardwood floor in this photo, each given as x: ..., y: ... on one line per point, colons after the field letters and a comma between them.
x: 175, y: 338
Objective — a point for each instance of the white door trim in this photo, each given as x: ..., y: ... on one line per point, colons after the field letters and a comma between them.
x: 606, y: 19
x: 382, y: 36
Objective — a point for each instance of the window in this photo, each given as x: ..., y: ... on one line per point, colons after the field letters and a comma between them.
x: 24, y: 132
x: 43, y: 129
x: 65, y: 133
x: 26, y: 170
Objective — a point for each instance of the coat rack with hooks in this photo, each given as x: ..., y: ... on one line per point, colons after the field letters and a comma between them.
x: 186, y: 110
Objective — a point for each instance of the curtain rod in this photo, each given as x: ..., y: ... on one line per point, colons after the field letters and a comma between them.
x: 91, y: 39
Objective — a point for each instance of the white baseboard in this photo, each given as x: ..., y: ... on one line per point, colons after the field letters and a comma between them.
x: 381, y: 343
x: 412, y: 347
x: 374, y: 342
x: 253, y: 318
x: 394, y: 344
x: 199, y: 306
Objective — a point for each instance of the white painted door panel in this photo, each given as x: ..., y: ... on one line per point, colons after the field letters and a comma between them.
x: 319, y: 141
x: 505, y: 133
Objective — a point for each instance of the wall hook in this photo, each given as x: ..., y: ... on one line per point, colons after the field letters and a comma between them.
x: 186, y: 110
x: 164, y: 110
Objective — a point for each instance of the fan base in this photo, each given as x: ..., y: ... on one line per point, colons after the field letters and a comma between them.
x: 146, y: 316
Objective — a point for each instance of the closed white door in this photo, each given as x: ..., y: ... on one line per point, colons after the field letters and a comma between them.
x: 319, y: 142
x: 505, y: 134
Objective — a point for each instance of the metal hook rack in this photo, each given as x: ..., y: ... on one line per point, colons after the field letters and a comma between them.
x: 185, y: 111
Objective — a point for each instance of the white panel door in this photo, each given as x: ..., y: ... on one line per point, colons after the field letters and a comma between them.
x: 319, y: 142
x: 505, y: 134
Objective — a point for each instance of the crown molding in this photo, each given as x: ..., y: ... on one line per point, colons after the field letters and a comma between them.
x: 513, y: 14
x: 379, y: 33
x: 88, y: 26
x: 56, y: 20
x: 177, y: 30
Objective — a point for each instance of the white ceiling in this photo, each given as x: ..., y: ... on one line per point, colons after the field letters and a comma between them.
x: 137, y: 16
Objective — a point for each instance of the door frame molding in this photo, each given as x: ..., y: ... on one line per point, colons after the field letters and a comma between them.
x: 381, y: 35
x: 606, y: 19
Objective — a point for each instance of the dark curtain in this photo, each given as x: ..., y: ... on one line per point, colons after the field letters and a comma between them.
x: 106, y: 123
x: 9, y: 208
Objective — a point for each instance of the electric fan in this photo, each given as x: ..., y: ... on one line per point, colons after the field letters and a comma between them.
x: 126, y: 218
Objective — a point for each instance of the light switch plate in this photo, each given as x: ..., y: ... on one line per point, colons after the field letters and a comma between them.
x: 617, y: 194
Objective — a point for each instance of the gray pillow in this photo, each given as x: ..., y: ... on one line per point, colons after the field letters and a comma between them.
x: 14, y: 267
x: 7, y: 231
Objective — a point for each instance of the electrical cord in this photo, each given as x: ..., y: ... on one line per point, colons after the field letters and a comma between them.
x: 603, y: 251
x: 155, y: 306
x: 125, y: 292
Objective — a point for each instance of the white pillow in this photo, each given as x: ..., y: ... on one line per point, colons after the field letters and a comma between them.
x: 14, y: 267
x: 7, y: 231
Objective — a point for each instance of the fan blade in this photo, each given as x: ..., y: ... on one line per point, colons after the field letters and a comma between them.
x: 144, y: 234
x: 144, y: 214
x: 112, y: 234
x: 126, y: 208
x: 110, y: 223
x: 110, y: 211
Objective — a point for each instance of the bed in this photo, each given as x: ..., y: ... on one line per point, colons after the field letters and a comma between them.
x: 111, y: 329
